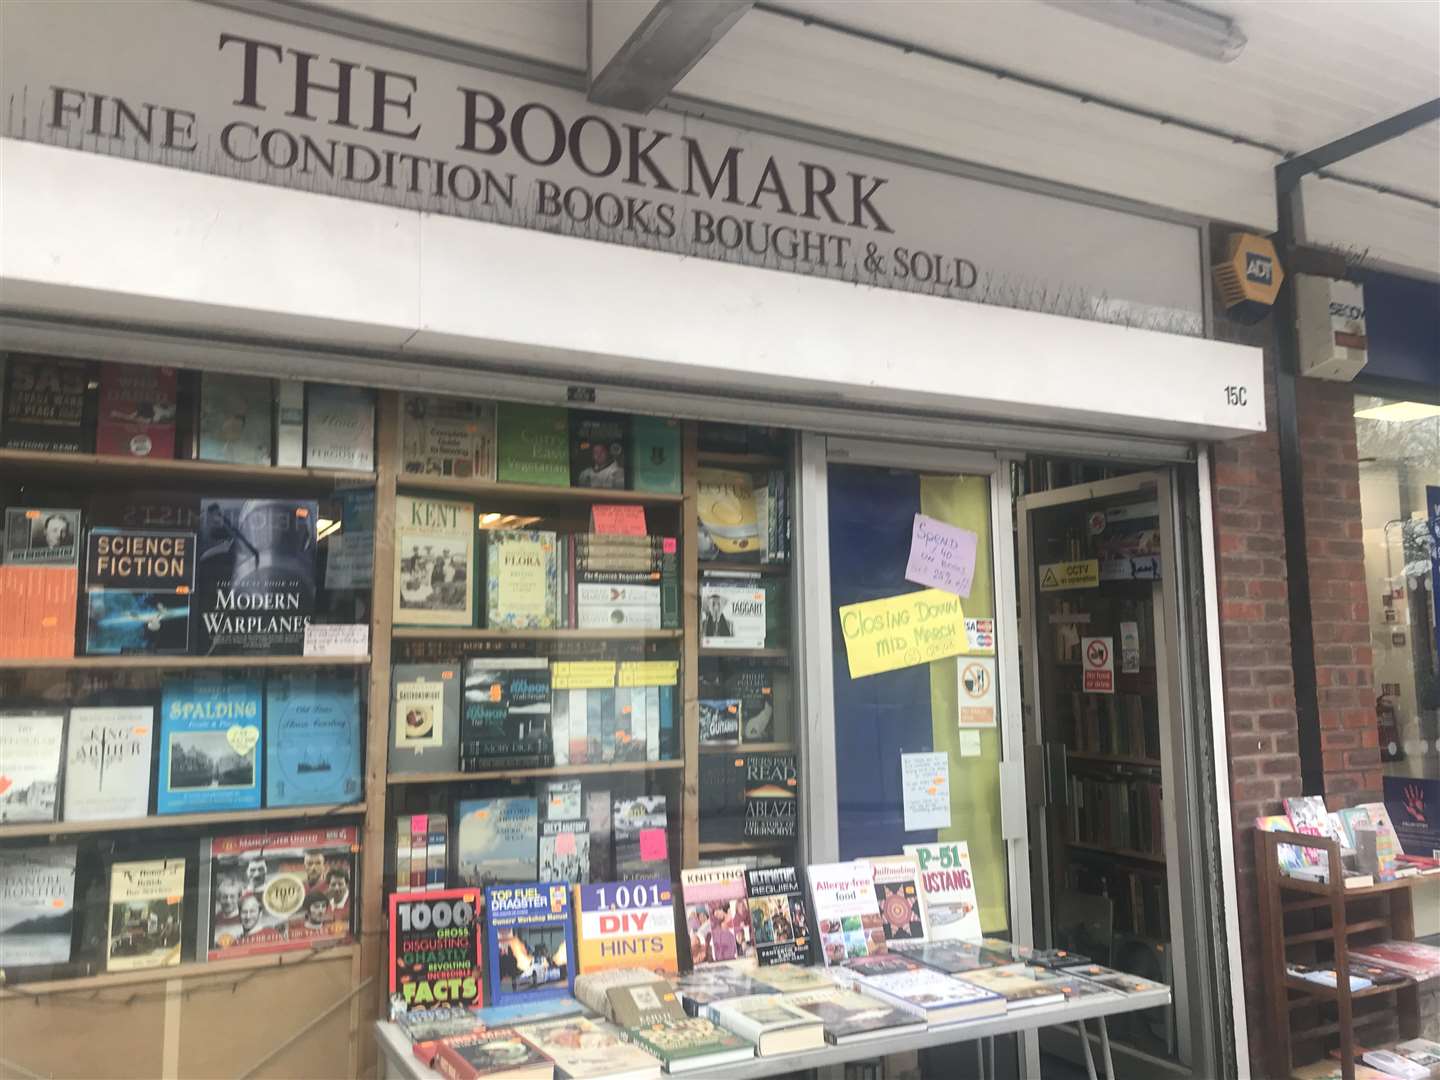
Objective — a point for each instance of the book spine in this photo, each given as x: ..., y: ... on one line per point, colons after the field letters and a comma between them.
x: 419, y: 838
x: 289, y: 423
x: 402, y: 854
x: 652, y: 723
x: 437, y: 852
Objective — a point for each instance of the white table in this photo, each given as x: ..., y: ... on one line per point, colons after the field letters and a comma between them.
x: 400, y: 1063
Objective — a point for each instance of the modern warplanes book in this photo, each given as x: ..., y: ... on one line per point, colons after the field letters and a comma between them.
x: 146, y: 913
x: 138, y: 585
x: 312, y: 740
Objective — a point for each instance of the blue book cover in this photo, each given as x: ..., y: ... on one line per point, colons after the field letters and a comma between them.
x: 210, y: 745
x: 667, y: 722
x: 530, y: 941
x: 312, y: 740
x: 497, y: 840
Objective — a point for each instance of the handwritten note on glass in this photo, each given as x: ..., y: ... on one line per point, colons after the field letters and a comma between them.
x: 942, y: 556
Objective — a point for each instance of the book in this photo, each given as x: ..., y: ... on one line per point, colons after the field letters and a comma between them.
x: 1291, y: 856
x: 1394, y: 1064
x: 1413, y: 959
x: 598, y: 815
x: 435, y: 950
x: 276, y: 892
x: 107, y: 762
x: 48, y: 403
x: 498, y: 1053
x: 255, y: 583
x: 37, y: 905
x: 563, y: 800
x: 770, y: 1022
x: 146, y: 913
x: 655, y: 454
x: 597, y: 451
x: 138, y: 585
x: 564, y: 850
x: 772, y: 796
x: 947, y: 889
x: 136, y: 411
x: 41, y: 536
x: 37, y: 611
x: 1326, y: 976
x: 732, y: 612
x: 1331, y: 1070
x: 689, y: 1043
x: 289, y: 423
x: 235, y: 419
x: 1021, y: 986
x: 443, y: 436
x: 429, y: 1025
x: 1387, y: 841
x: 1120, y: 982
x: 754, y: 686
x: 725, y: 506
x: 633, y: 1004
x: 435, y: 562
x: 641, y: 839
x: 846, y: 911
x: 901, y: 900
x: 779, y: 915
x: 722, y: 798
x: 1424, y: 1052
x: 791, y: 978
x: 719, y: 721
x: 592, y: 988
x: 496, y: 840
x: 1309, y: 817
x: 530, y: 940
x: 954, y: 957
x: 312, y: 740
x: 532, y: 445
x: 339, y: 427
x: 30, y: 755
x: 582, y: 1048
x: 717, y: 914
x: 425, y: 718
x: 851, y: 1017
x: 523, y: 580
x: 709, y: 983
x: 210, y: 745
x: 505, y: 714
x: 627, y: 924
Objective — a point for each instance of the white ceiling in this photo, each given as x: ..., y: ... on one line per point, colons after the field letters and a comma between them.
x: 1311, y: 72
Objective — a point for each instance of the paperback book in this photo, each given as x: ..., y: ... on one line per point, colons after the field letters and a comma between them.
x: 312, y: 740
x: 435, y: 562
x: 1021, y: 985
x: 37, y: 611
x: 146, y: 914
x: 717, y: 914
x: 850, y: 1017
x: 750, y: 686
x: 641, y: 841
x: 563, y: 800
x: 901, y: 900
x: 709, y: 983
x: 505, y: 714
x: 846, y: 911
x: 107, y: 763
x: 49, y: 404
x: 1413, y: 959
x: 732, y: 612
x: 30, y: 745
x: 582, y: 1048
x: 655, y: 456
x: 138, y: 585
x: 41, y: 536
x: 137, y: 407
x: 496, y: 840
x: 948, y: 891
x: 339, y: 428
x: 627, y: 924
x: 771, y: 796
x: 498, y: 1052
x: 532, y: 445
x: 779, y: 915
x: 719, y: 721
x: 425, y: 719
x: 210, y: 752
x: 564, y: 850
x: 597, y: 451
x: 530, y: 940
x: 770, y: 1022
x: 442, y: 436
x: 435, y: 951
x: 235, y: 419
x: 956, y: 957
x: 523, y: 580
x: 37, y: 905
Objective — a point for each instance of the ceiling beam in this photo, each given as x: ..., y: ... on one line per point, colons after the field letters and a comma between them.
x: 641, y: 49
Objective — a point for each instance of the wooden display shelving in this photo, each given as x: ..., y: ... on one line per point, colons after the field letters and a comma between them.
x: 179, y: 821
x: 748, y: 748
x: 529, y: 494
x: 1119, y: 853
x: 446, y: 633
x: 602, y: 768
x: 748, y: 654
x: 177, y: 663
x: 89, y: 468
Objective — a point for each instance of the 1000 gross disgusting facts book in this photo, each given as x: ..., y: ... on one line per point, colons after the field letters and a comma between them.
x: 146, y: 914
x: 779, y: 915
x: 435, y: 952
x: 107, y: 763
x: 30, y: 745
x: 629, y: 924
x: 312, y: 740
x: 434, y: 562
x: 210, y: 752
x: 530, y: 941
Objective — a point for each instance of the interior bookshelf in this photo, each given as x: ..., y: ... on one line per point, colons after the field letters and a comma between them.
x: 242, y: 818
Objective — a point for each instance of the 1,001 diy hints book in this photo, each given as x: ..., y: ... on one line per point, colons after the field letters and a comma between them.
x: 209, y: 745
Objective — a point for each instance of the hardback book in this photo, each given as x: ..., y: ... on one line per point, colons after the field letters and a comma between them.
x: 564, y: 850
x: 689, y: 1043
x: 709, y: 983
x: 277, y: 892
x: 522, y: 587
x: 627, y: 924
x: 435, y: 950
x: 592, y: 988
x: 1021, y: 985
x: 1413, y: 959
x: 136, y: 413
x: 901, y: 900
x: 1392, y: 1063
x: 210, y: 745
x: 779, y: 915
x: 851, y: 1017
x: 425, y: 718
x: 430, y: 1025
x: 732, y: 612
x: 30, y: 745
x: 1120, y: 982
x: 289, y: 423
x: 444, y: 436
x: 635, y: 1004
x: 1291, y: 856
x: 1331, y: 1070
x: 955, y: 957
x: 846, y: 911
x: 505, y: 714
x: 720, y: 721
x: 146, y: 914
x: 726, y: 509
x: 491, y: 1054
x: 791, y: 978
x: 107, y: 762
x: 48, y: 403
x: 563, y: 800
x: 1424, y: 1052
x: 435, y: 562
x: 947, y: 889
x: 339, y: 427
x: 312, y: 740
x: 37, y: 905
x: 1387, y: 846
x: 138, y: 586
x: 641, y: 839
x: 1308, y: 816
x: 717, y: 914
x: 255, y: 585
x: 582, y: 1048
x: 41, y: 536
x: 655, y: 454
x: 532, y: 445
x: 37, y: 611
x: 599, y: 816
x: 597, y: 451
x: 527, y: 1011
x: 235, y: 418
x: 496, y: 841
x: 530, y: 941
x: 772, y: 796
x: 770, y: 1022
x: 937, y: 998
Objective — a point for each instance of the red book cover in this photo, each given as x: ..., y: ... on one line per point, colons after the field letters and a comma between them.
x: 1413, y: 958
x: 493, y: 1052
x: 137, y: 411
x: 39, y: 612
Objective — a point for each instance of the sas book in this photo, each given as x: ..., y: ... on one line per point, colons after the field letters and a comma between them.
x: 582, y: 1048
x: 138, y: 586
x: 770, y: 1022
x: 48, y: 403
x: 435, y: 562
x: 948, y: 890
x: 256, y: 582
x: 435, y: 951
x: 107, y: 763
x: 37, y: 905
x: 137, y: 407
x: 851, y: 1017
x: 717, y: 914
x: 532, y: 445
x: 236, y: 422
x: 339, y: 428
x: 496, y: 840
x: 522, y: 587
x: 628, y: 924
x: 846, y: 911
x: 779, y: 915
x: 312, y: 740
x: 641, y: 838
x: 443, y: 436
x: 496, y: 1053
x: 530, y: 941
x: 505, y: 714
x: 210, y: 752
x: 597, y: 451
x: 425, y: 719
x: 146, y: 914
x: 30, y: 745
x: 655, y: 454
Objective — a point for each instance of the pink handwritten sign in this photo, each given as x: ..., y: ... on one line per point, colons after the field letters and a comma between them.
x: 652, y: 845
x: 618, y: 520
x: 942, y: 556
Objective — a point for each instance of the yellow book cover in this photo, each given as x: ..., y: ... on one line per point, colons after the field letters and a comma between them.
x: 725, y: 505
x: 146, y: 902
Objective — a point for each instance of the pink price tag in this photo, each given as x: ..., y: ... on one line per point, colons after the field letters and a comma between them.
x: 618, y: 520
x: 565, y: 843
x: 652, y: 845
x: 667, y: 545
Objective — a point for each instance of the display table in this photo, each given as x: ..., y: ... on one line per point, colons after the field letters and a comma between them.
x: 400, y: 1062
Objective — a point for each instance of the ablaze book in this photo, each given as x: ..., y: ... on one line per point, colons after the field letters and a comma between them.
x: 771, y: 796
x: 48, y: 403
x: 312, y: 740
x: 30, y: 745
x: 717, y: 914
x: 530, y: 941
x: 146, y: 913
x: 210, y: 752
x: 37, y: 905
x: 339, y: 427
x: 779, y: 915
x: 497, y: 840
x: 138, y: 586
x: 236, y: 419
x: 425, y: 719
x: 136, y: 411
x: 435, y: 562
x: 444, y: 436
x: 107, y: 762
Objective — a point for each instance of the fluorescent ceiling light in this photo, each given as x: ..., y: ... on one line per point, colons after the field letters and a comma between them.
x: 1169, y: 22
x: 1399, y: 412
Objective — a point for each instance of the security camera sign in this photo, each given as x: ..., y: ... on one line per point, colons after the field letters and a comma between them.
x: 1097, y: 658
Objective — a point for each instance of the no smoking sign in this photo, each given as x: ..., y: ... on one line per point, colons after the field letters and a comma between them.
x: 1098, y: 663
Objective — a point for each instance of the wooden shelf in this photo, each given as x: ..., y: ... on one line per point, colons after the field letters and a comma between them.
x: 216, y: 969
x: 175, y: 663
x: 749, y: 654
x: 176, y: 821
x: 92, y: 469
x: 1327, y: 933
x: 740, y: 461
x: 1119, y: 853
x: 1320, y: 888
x: 716, y: 847
x: 1113, y: 759
x: 748, y: 748
x: 599, y: 769
x: 1332, y: 993
x: 529, y: 494
x: 722, y: 566
x: 465, y: 633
